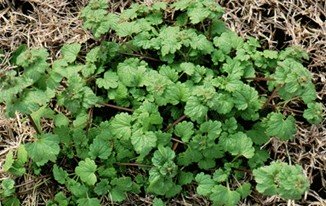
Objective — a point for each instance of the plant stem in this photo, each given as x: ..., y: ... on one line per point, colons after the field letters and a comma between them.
x: 34, y: 125
x: 177, y: 140
x: 259, y: 79
x: 141, y: 56
x: 274, y: 93
x: 175, y: 122
x: 131, y: 164
x: 117, y: 107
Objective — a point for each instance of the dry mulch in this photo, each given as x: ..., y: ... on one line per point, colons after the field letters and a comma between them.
x: 278, y: 23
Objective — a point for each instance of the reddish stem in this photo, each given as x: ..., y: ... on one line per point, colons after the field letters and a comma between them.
x: 117, y: 107
x: 271, y: 96
x: 175, y: 123
x: 259, y: 79
x: 131, y: 164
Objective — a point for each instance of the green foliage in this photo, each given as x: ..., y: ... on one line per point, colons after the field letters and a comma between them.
x: 86, y: 171
x: 314, y: 113
x: 219, y: 194
x: 44, y: 149
x: 179, y: 98
x: 15, y: 164
x: 278, y: 125
x: 281, y: 179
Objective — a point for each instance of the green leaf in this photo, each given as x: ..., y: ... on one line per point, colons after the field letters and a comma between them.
x: 162, y: 155
x: 131, y: 72
x: 70, y: 52
x: 295, y: 80
x: 185, y: 130
x: 228, y: 41
x: 222, y: 195
x: 205, y: 184
x: 61, y: 199
x: 22, y: 155
x: 120, y: 187
x: 8, y: 187
x: 238, y: 144
x: 195, y: 109
x: 222, y: 103
x: 8, y: 161
x: 206, y: 163
x: 61, y: 120
x: 100, y: 148
x: 182, y: 4
x: 246, y: 97
x: 110, y: 80
x: 41, y: 112
x: 158, y: 202
x: 259, y: 159
x: 211, y: 128
x: 143, y: 142
x: 11, y: 201
x: 198, y: 14
x: 293, y: 183
x: 185, y: 178
x: 169, y: 40
x: 76, y: 188
x: 120, y: 126
x: 282, y: 179
x: 257, y: 134
x: 88, y: 202
x: 314, y: 113
x: 117, y: 195
x: 102, y: 187
x: 44, y: 149
x: 278, y: 125
x: 86, y: 171
x: 128, y: 28
x: 221, y: 175
x: 176, y: 93
x: 244, y: 190
x: 59, y: 174
x: 148, y: 115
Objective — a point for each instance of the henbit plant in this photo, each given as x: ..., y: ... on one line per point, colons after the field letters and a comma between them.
x: 174, y: 94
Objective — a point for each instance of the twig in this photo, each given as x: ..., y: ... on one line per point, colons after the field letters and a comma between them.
x: 117, y: 107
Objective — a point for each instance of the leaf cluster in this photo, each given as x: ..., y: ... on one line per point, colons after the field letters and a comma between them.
x: 174, y: 94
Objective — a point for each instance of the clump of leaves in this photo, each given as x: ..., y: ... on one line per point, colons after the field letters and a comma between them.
x: 178, y: 96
